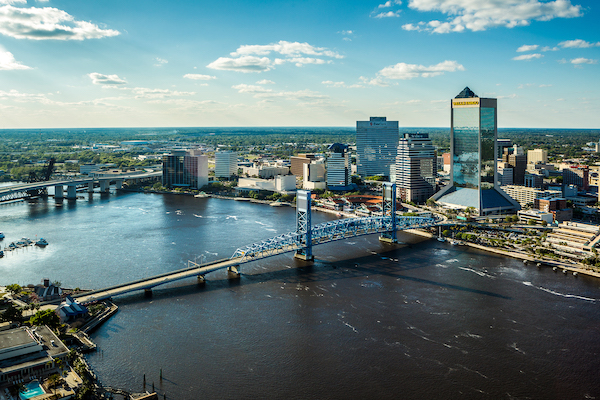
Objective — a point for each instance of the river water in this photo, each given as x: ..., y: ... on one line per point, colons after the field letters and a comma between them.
x: 416, y: 320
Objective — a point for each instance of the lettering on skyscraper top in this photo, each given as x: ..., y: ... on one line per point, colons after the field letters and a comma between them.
x: 465, y: 103
x: 378, y: 123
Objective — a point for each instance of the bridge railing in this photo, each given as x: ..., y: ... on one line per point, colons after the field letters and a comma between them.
x: 328, y: 232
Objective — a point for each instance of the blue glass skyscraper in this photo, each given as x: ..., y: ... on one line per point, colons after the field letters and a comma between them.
x: 473, y: 136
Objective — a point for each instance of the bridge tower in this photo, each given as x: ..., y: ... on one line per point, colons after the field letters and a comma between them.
x: 304, y: 225
x: 388, y: 204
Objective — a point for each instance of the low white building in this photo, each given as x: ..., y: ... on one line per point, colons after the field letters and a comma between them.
x: 265, y: 171
x: 281, y: 184
x: 535, y: 215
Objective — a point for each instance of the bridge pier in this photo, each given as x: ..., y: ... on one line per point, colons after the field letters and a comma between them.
x: 119, y: 184
x: 304, y: 225
x: 233, y: 272
x: 201, y: 280
x: 71, y: 192
x: 104, y: 185
x: 90, y: 187
x: 148, y: 292
x: 58, y: 191
x: 388, y: 204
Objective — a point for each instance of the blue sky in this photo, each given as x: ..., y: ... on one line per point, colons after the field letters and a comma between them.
x: 67, y: 63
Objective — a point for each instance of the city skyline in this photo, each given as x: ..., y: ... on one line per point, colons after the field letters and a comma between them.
x: 69, y: 64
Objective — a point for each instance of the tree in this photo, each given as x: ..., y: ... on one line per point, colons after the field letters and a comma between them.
x: 431, y: 203
x: 14, y: 288
x: 531, y: 222
x: 45, y: 317
x: 12, y: 313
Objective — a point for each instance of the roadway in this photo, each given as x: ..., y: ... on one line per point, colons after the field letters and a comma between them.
x: 22, y: 187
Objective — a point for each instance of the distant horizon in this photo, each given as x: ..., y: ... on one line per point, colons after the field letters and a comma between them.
x: 274, y: 127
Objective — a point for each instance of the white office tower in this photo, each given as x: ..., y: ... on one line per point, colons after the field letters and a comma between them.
x: 416, y: 168
x: 314, y: 175
x: 338, y: 167
x: 376, y: 143
x: 226, y: 164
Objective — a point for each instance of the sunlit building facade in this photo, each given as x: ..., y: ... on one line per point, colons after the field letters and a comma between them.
x: 473, y: 180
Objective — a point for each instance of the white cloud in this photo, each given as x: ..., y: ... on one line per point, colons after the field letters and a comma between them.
x: 292, y: 49
x: 479, y: 15
x: 410, y: 71
x: 47, y: 23
x: 245, y: 57
x: 265, y: 82
x: 582, y: 60
x: 412, y: 27
x: 146, y: 93
x: 577, y: 44
x: 548, y: 48
x: 389, y: 14
x: 253, y: 89
x: 199, y: 77
x: 8, y: 62
x: 13, y: 1
x: 527, y: 47
x: 374, y: 81
x: 160, y: 62
x: 243, y: 64
x: 346, y: 32
x: 101, y: 79
x: 341, y: 84
x: 528, y: 57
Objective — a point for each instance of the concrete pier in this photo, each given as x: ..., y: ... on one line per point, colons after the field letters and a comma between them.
x: 104, y: 184
x: 90, y: 187
x: 71, y: 192
x: 58, y: 191
x: 233, y: 272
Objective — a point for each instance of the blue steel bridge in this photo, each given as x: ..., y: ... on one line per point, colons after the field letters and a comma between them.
x: 300, y: 241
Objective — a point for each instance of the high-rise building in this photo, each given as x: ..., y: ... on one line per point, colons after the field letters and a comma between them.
x: 505, y: 173
x: 297, y: 163
x: 577, y: 175
x: 376, y: 143
x: 537, y: 156
x: 416, y: 168
x: 185, y: 169
x: 473, y: 135
x: 226, y: 164
x: 338, y: 167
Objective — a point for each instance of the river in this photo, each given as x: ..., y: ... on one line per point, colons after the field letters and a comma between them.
x: 421, y: 319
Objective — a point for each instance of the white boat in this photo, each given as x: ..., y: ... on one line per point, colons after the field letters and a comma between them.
x: 441, y: 239
x: 42, y: 242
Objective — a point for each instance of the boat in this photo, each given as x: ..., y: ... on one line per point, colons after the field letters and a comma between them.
x: 441, y: 239
x: 42, y: 242
x: 1, y: 253
x: 1, y: 235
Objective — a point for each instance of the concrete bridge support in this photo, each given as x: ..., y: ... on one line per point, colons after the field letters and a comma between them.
x: 148, y: 292
x: 90, y: 187
x: 58, y: 192
x: 304, y: 224
x: 201, y: 280
x: 389, y: 209
x: 104, y: 185
x: 119, y: 184
x: 72, y: 192
x: 233, y: 272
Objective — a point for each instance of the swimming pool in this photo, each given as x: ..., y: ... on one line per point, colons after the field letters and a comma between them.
x: 33, y: 389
